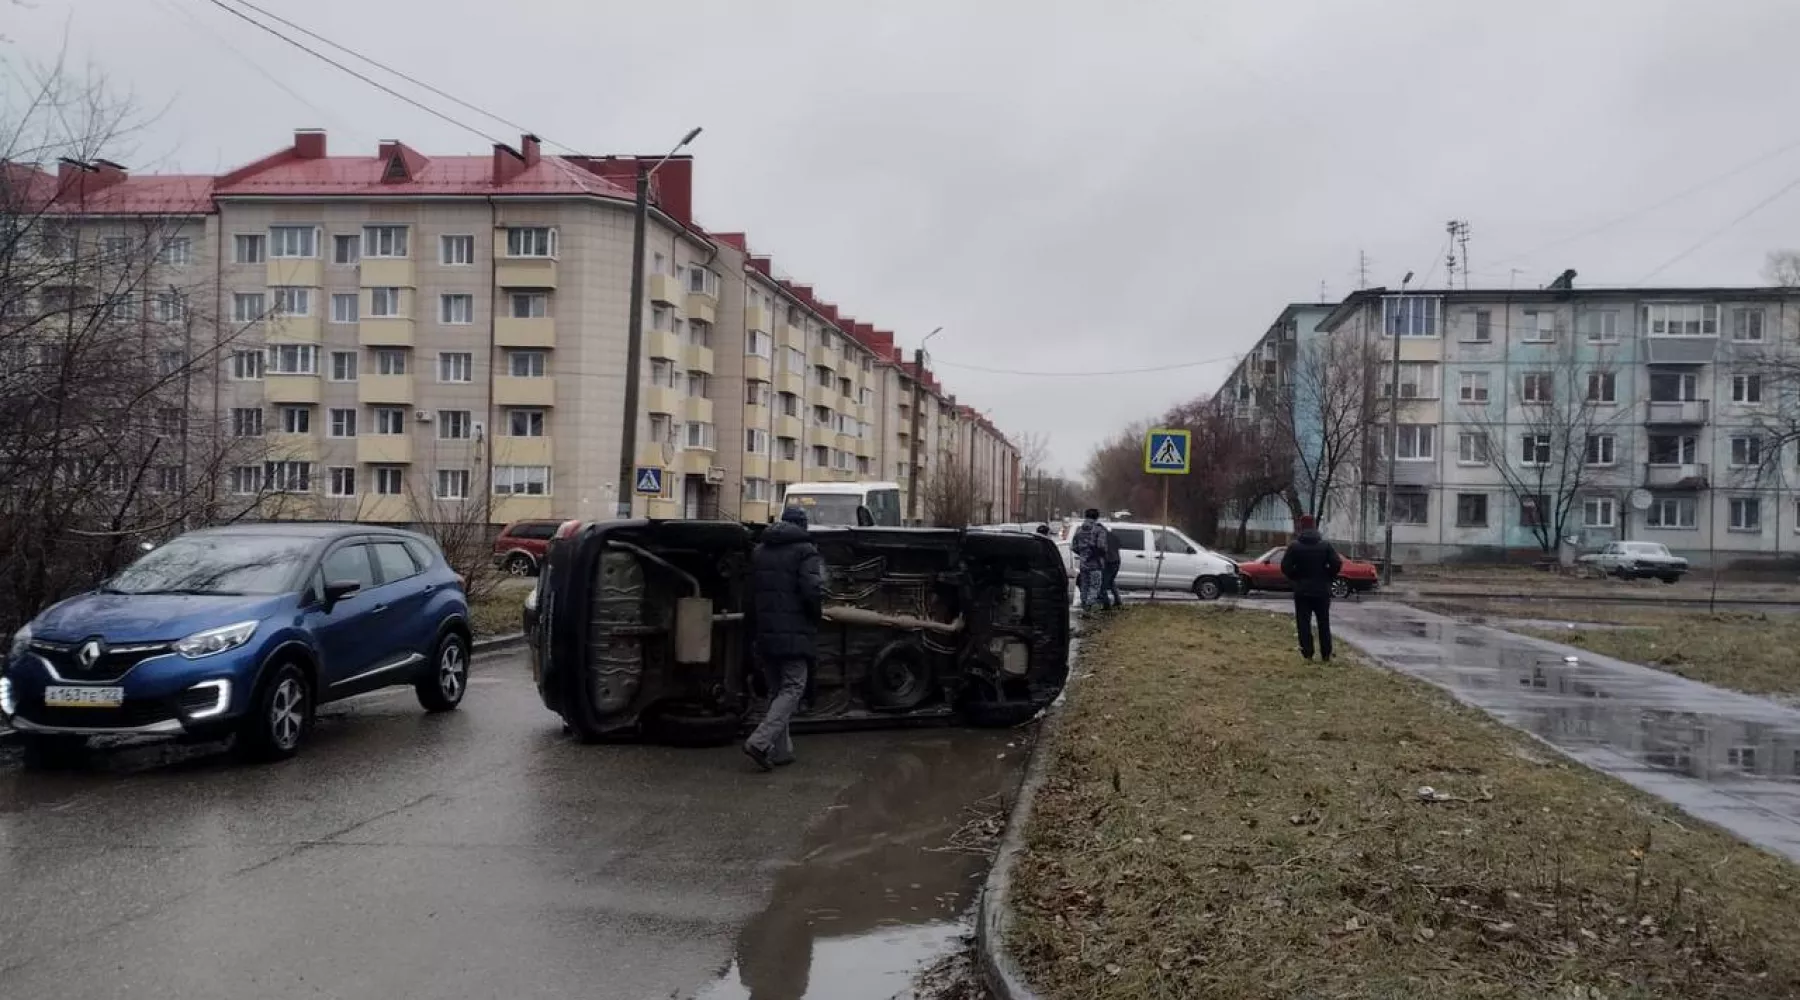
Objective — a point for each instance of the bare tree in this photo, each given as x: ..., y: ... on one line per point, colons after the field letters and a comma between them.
x: 1782, y: 267
x: 1321, y: 419
x: 952, y: 496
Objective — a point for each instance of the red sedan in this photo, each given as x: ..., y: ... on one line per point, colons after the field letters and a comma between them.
x: 1264, y: 573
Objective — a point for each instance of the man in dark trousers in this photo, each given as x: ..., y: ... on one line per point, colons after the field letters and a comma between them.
x: 1109, y: 573
x: 1311, y: 563
x: 788, y: 584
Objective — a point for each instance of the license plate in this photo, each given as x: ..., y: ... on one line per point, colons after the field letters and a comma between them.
x: 84, y: 697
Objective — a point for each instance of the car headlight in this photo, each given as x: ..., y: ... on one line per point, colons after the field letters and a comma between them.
x: 216, y: 640
x: 21, y: 641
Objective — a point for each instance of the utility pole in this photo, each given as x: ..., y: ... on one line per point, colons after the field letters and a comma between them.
x: 918, y: 404
x: 634, y: 329
x: 1362, y: 269
x: 1459, y: 235
x: 1393, y: 440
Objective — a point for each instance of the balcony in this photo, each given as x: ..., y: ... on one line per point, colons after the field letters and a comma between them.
x: 384, y: 389
x: 295, y: 329
x: 522, y: 272
x: 792, y: 383
x: 758, y: 369
x: 699, y: 359
x: 523, y: 451
x: 508, y: 509
x: 1405, y: 473
x: 756, y: 466
x: 1675, y: 412
x: 385, y: 331
x: 659, y: 509
x: 662, y: 344
x: 662, y: 399
x: 525, y: 331
x: 665, y: 288
x: 846, y: 442
x: 1690, y: 476
x: 788, y: 335
x: 388, y: 272
x: 865, y: 446
x: 757, y: 318
x: 758, y: 416
x: 754, y: 511
x: 513, y: 390
x: 695, y: 461
x: 702, y: 307
x: 786, y: 470
x: 818, y: 395
x: 384, y: 449
x: 697, y: 409
x: 655, y: 454
x: 819, y: 357
x: 789, y: 427
x: 294, y: 448
x: 306, y: 272
x: 292, y: 389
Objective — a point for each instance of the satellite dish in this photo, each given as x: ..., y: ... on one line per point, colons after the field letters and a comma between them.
x: 1640, y: 499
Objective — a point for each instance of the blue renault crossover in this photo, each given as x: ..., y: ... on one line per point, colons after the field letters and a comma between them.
x: 241, y: 631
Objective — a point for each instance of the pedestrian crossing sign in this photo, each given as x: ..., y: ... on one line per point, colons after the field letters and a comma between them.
x: 649, y: 480
x: 1167, y: 451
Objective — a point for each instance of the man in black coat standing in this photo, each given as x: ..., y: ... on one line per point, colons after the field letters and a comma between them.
x: 787, y: 580
x: 1311, y: 563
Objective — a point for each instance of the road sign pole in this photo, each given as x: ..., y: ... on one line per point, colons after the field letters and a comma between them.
x: 1156, y: 575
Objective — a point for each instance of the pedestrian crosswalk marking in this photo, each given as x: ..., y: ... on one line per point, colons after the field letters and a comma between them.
x: 1168, y: 454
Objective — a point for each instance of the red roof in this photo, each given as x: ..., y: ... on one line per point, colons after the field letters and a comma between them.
x: 361, y: 176
x: 156, y: 194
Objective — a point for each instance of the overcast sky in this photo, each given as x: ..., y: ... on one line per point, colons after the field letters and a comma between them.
x: 1062, y: 186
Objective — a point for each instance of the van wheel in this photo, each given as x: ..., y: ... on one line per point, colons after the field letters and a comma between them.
x: 1207, y: 589
x: 1340, y: 587
x: 899, y: 679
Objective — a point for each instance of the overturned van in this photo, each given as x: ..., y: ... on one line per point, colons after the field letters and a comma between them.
x: 643, y: 629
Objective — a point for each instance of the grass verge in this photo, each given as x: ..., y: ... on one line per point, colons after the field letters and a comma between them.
x: 499, y: 610
x: 1223, y: 819
x: 1753, y: 653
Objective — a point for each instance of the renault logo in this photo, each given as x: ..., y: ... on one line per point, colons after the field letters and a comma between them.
x: 90, y: 652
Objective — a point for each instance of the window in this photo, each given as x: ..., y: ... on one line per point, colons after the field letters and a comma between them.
x: 1746, y: 513
x: 1601, y: 327
x: 246, y: 366
x: 390, y: 361
x: 170, y: 362
x: 1534, y: 511
x: 247, y: 307
x: 293, y: 241
x: 345, y: 249
x: 1534, y: 449
x: 1603, y: 387
x: 458, y: 310
x: 700, y: 435
x: 384, y: 241
x: 1471, y: 510
x: 525, y: 364
x: 344, y: 307
x: 661, y: 431
x: 1602, y: 449
x: 456, y: 250
x: 532, y: 241
x: 522, y: 480
x: 823, y: 377
x: 341, y: 481
x: 757, y: 344
x: 1746, y: 388
x: 1673, y: 387
x: 293, y: 359
x: 756, y: 441
x: 696, y: 385
x: 1484, y: 327
x: 246, y: 422
x: 177, y: 252
x: 1682, y: 320
x: 703, y: 281
x: 757, y: 393
x: 453, y: 484
x: 170, y: 479
x: 296, y: 419
x: 1599, y: 512
x: 790, y: 404
x: 1410, y: 316
x: 1540, y: 327
x: 699, y: 333
x: 1747, y: 325
x: 788, y: 449
x: 390, y: 480
x: 1415, y: 442
x: 343, y: 366
x: 249, y: 248
x: 1672, y: 449
x: 171, y: 307
x: 822, y: 416
x: 1472, y: 448
x: 390, y: 420
x: 1474, y: 387
x: 1536, y: 387
x: 454, y: 425
x: 1410, y: 507
x: 1671, y: 512
x: 246, y: 480
x: 343, y: 423
x: 525, y: 423
x: 757, y: 491
x: 456, y: 366
x: 821, y: 455
x: 292, y: 301
x: 288, y: 477
x: 529, y: 305
x: 661, y: 318
x: 1746, y: 451
x: 793, y: 360
x: 384, y: 302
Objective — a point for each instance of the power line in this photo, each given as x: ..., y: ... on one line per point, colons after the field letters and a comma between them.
x: 1091, y: 374
x: 1715, y: 234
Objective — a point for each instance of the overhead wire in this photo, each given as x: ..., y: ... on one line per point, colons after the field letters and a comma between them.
x: 1722, y: 230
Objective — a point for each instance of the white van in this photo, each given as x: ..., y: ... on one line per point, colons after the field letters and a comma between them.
x: 1155, y: 554
x: 836, y: 503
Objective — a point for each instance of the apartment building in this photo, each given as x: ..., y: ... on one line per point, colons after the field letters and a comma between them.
x: 402, y: 337
x: 1649, y: 414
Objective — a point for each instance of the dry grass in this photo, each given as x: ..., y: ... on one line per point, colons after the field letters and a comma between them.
x: 1225, y: 820
x: 1753, y: 653
x: 500, y: 610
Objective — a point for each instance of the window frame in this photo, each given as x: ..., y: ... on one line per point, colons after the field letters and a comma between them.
x: 448, y: 240
x: 397, y: 237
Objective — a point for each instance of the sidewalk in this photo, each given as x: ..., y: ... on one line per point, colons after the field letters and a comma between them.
x: 1728, y: 758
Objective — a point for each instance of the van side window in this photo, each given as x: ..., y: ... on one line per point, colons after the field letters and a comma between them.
x: 1170, y: 542
x: 1130, y: 539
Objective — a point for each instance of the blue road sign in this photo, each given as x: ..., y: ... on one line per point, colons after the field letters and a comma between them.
x: 1167, y: 452
x: 649, y: 480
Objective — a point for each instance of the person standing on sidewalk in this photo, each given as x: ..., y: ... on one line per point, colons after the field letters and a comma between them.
x: 1311, y: 563
x: 1089, y: 547
x: 788, y: 583
x: 1109, y: 573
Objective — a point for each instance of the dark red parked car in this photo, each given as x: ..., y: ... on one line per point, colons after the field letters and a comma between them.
x: 520, y: 548
x: 1264, y: 573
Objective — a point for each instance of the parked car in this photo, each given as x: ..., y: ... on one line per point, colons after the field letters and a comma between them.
x: 642, y: 629
x: 241, y: 631
x: 519, y: 549
x: 1264, y: 573
x: 1154, y: 555
x: 1637, y: 560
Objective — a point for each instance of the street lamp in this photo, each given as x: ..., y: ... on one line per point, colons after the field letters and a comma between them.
x: 912, y: 471
x: 634, y: 336
x: 1393, y: 442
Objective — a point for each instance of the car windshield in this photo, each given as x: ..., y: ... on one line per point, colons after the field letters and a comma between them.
x: 826, y: 508
x: 1647, y: 548
x: 216, y: 564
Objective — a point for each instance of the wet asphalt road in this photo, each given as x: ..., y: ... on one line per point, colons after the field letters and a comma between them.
x: 484, y: 854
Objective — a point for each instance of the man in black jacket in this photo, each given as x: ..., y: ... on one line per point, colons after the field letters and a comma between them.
x: 1311, y: 563
x: 788, y: 584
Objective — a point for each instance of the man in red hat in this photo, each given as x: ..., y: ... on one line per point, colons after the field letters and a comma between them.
x: 1311, y: 563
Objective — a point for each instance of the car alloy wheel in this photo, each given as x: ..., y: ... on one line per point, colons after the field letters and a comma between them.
x: 452, y: 671
x: 287, y: 713
x: 441, y: 687
x: 519, y: 564
x: 1340, y: 587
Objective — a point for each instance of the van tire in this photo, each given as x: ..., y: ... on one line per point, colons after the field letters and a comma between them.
x: 1207, y: 588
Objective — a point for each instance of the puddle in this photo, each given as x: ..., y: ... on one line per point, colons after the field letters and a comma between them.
x: 1729, y: 758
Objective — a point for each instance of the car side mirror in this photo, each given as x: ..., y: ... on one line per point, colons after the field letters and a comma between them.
x: 338, y: 590
x: 865, y: 518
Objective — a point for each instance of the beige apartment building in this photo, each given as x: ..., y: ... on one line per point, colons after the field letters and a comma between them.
x: 403, y: 337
